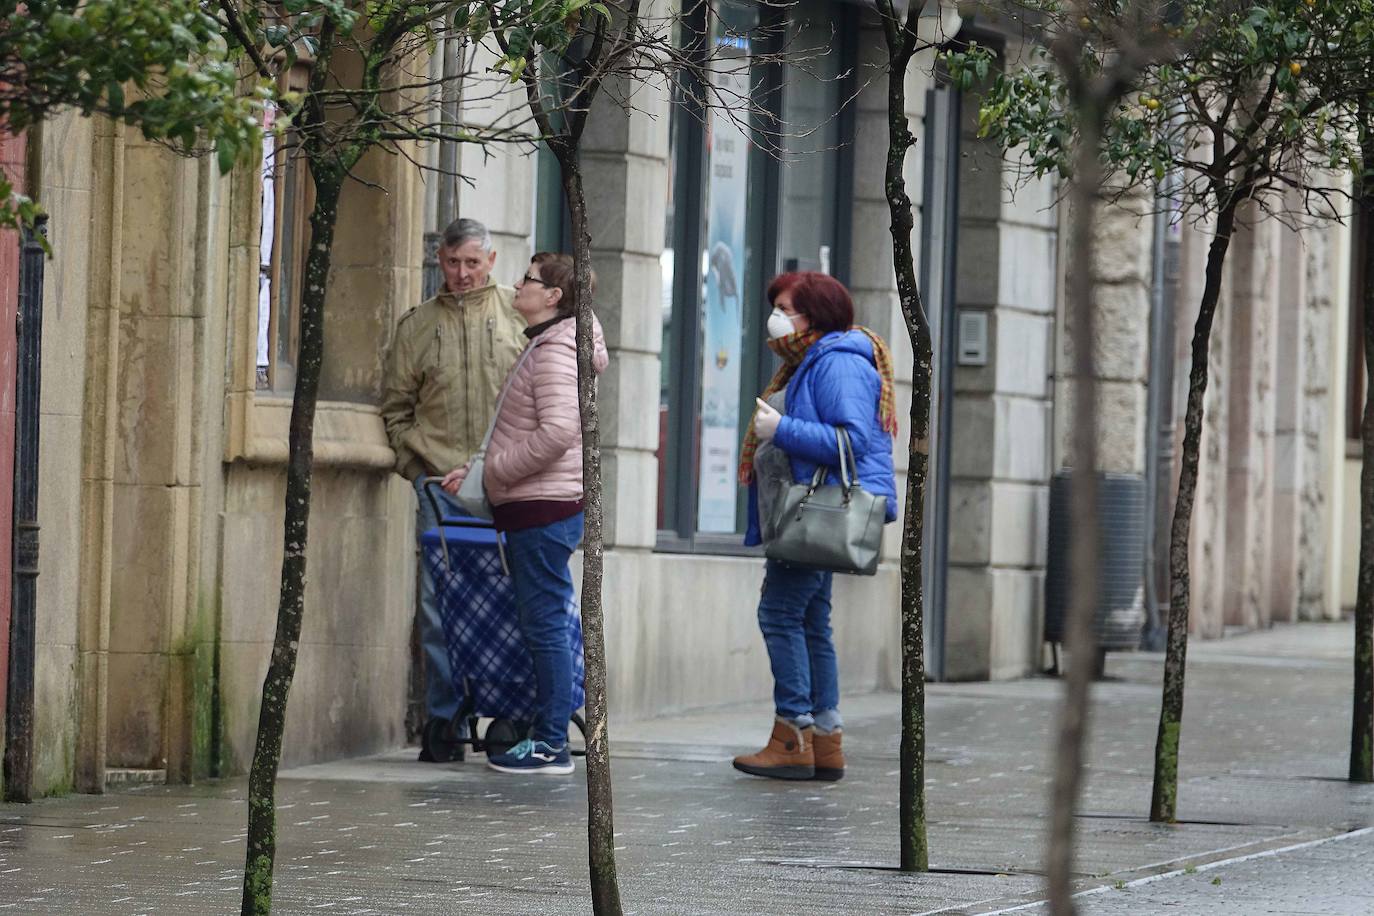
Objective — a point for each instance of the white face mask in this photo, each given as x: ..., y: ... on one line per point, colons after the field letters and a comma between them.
x: 780, y: 324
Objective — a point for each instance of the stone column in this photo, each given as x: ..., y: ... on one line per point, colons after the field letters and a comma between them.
x: 1122, y: 271
x: 1000, y: 463
x: 625, y: 173
x: 155, y: 491
x: 68, y: 703
x: 1207, y: 546
x: 1324, y: 439
x: 1290, y: 448
x: 1253, y: 277
x: 872, y: 280
x: 499, y: 181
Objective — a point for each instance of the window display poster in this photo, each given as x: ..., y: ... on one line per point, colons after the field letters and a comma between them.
x: 267, y: 235
x: 723, y: 268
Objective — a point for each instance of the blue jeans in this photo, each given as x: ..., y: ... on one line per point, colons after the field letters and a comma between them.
x: 441, y: 698
x: 538, y: 559
x: 794, y: 615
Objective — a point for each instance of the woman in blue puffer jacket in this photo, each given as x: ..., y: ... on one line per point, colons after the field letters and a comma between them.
x: 833, y: 375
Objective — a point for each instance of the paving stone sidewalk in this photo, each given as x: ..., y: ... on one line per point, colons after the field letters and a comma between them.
x: 1264, y: 746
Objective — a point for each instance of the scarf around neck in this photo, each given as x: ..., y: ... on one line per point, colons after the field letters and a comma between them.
x: 792, y: 350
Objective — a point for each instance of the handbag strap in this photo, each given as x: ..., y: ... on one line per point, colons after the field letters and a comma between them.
x: 849, y: 474
x: 848, y: 465
x: 501, y: 398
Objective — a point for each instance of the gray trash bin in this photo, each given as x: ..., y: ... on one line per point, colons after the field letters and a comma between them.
x: 1121, y: 559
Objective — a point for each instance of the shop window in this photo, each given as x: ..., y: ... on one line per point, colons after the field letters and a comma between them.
x: 287, y: 197
x: 670, y: 487
x: 552, y: 223
x: 743, y: 203
x: 817, y: 129
x: 552, y: 226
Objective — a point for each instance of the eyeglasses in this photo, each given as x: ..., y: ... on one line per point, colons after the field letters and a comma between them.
x: 528, y: 279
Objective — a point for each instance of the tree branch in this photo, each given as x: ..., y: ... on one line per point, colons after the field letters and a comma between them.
x: 235, y: 23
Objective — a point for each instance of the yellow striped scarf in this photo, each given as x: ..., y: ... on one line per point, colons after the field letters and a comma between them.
x: 792, y: 350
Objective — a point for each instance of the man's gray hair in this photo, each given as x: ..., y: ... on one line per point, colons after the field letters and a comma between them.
x: 462, y: 231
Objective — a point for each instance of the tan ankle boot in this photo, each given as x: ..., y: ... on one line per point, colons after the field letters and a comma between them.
x: 788, y: 755
x: 829, y: 756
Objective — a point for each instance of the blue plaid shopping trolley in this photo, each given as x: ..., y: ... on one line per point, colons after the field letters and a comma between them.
x: 492, y: 670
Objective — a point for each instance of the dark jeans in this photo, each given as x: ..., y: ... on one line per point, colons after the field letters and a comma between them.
x: 794, y: 615
x: 538, y: 559
x: 441, y: 699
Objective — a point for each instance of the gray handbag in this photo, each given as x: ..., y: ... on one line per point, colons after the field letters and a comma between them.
x: 835, y: 527
x: 472, y: 492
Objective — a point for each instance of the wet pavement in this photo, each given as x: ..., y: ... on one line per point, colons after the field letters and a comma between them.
x: 1329, y: 875
x: 1264, y: 756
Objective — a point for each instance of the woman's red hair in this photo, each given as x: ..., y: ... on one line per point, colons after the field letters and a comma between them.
x: 820, y: 297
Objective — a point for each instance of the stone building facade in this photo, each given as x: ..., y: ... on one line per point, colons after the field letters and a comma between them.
x: 1269, y: 535
x: 167, y: 384
x: 163, y: 469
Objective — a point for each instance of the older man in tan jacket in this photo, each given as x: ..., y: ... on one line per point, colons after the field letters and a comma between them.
x: 445, y: 367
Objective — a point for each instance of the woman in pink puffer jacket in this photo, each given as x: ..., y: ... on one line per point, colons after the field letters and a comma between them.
x: 533, y: 479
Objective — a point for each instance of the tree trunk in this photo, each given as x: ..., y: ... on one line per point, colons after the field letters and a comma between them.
x: 1164, y: 798
x: 911, y: 793
x: 600, y: 811
x: 1081, y: 633
x: 1362, y: 716
x: 262, y: 837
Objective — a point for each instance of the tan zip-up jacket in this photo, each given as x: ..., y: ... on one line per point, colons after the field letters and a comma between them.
x: 445, y: 367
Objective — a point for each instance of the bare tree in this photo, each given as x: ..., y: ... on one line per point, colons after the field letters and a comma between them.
x: 1362, y: 715
x: 1258, y: 98
x: 609, y: 40
x: 901, y: 34
x: 370, y: 101
x: 614, y: 50
x: 1099, y: 48
x: 1098, y: 68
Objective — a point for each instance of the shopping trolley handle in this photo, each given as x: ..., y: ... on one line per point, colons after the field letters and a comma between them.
x: 464, y: 520
x: 433, y: 485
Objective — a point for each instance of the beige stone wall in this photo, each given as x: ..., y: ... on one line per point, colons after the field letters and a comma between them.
x: 1121, y: 269
x: 625, y: 173
x: 349, y: 693
x: 1002, y: 418
x: 348, y: 697
x: 1291, y: 461
x: 1265, y: 539
x: 682, y: 632
x: 1251, y: 325
x: 1326, y: 264
x: 1207, y: 544
x: 68, y: 191
x: 156, y: 499
x: 498, y: 186
x: 876, y: 302
x: 162, y: 471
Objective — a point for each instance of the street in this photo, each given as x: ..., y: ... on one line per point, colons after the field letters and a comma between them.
x: 1264, y: 755
x: 1321, y: 876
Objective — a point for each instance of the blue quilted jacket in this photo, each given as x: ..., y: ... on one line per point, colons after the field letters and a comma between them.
x: 836, y: 384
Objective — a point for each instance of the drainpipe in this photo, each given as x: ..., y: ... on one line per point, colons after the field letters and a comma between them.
x: 18, y: 761
x: 451, y: 107
x: 454, y: 52
x: 1159, y: 421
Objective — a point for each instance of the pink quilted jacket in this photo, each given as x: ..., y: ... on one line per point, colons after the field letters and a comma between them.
x: 536, y: 444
